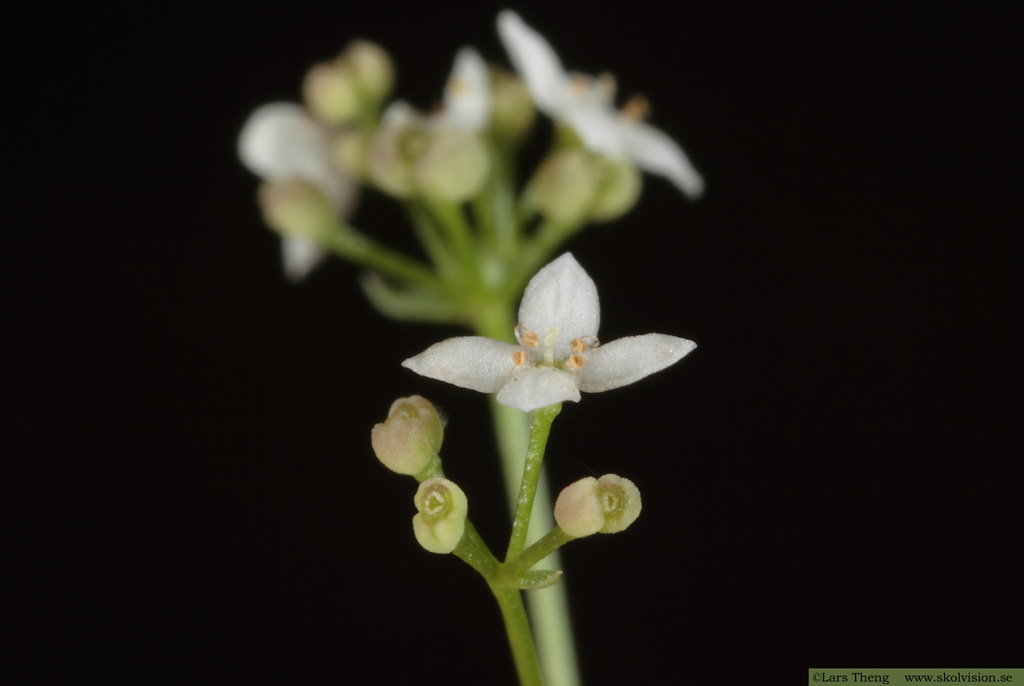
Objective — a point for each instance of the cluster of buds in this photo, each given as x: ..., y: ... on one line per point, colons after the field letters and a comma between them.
x: 314, y: 158
x: 407, y: 442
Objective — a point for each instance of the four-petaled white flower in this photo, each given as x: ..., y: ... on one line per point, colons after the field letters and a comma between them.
x: 281, y: 141
x: 558, y: 354
x: 586, y: 105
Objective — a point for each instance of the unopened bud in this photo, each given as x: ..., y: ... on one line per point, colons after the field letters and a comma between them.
x: 295, y: 207
x: 565, y: 186
x: 373, y: 69
x: 441, y: 519
x: 410, y: 437
x: 512, y: 111
x: 390, y: 159
x: 350, y: 152
x: 618, y: 189
x: 332, y: 93
x: 454, y: 166
x: 607, y: 505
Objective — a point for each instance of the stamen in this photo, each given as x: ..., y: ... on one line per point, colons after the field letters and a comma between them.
x: 637, y: 108
x: 576, y: 361
x: 579, y: 85
x: 577, y: 345
x: 606, y: 82
x: 518, y: 358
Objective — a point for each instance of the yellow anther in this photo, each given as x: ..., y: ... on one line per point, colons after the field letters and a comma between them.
x: 636, y: 108
x: 518, y: 358
x: 531, y: 339
x: 577, y: 345
x: 579, y: 84
x: 457, y: 86
x: 576, y: 361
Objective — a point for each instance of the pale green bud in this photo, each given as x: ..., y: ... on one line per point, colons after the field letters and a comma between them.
x: 332, y: 93
x: 295, y: 207
x: 391, y: 153
x: 607, y: 505
x: 454, y: 166
x: 618, y: 189
x: 373, y: 69
x: 512, y: 110
x: 349, y: 151
x: 565, y: 186
x: 441, y: 520
x: 410, y: 437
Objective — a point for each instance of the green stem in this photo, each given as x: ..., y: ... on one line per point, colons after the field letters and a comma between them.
x: 549, y: 607
x: 451, y: 217
x: 548, y: 544
x: 364, y: 251
x: 540, y: 429
x: 510, y: 601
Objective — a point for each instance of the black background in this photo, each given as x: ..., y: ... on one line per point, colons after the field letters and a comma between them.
x: 829, y: 479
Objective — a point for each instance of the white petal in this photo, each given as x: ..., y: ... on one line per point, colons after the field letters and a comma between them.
x: 600, y: 128
x: 280, y: 141
x: 300, y: 256
x: 654, y: 151
x: 535, y: 387
x: 473, y: 362
x: 562, y: 297
x: 467, y: 96
x: 626, y: 360
x: 400, y: 114
x: 536, y: 62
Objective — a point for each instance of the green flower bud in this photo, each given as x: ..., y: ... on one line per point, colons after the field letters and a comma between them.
x: 332, y: 93
x: 618, y: 189
x: 410, y: 437
x: 373, y: 69
x: 441, y: 520
x: 565, y: 186
x: 512, y: 110
x: 607, y: 505
x: 454, y: 166
x: 350, y: 150
x: 391, y: 153
x: 295, y: 208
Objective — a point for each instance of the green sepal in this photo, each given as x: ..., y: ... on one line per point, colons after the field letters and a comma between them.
x: 537, y: 579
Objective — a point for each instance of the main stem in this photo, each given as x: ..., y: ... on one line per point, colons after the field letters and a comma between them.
x: 549, y: 607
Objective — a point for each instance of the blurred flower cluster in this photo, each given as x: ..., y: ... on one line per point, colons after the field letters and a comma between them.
x: 453, y: 171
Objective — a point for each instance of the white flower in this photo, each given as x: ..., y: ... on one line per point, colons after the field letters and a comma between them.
x: 586, y: 105
x: 280, y: 141
x: 467, y: 99
x: 558, y: 354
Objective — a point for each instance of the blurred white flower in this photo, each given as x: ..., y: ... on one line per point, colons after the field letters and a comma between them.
x: 558, y: 354
x: 586, y: 105
x: 466, y: 101
x: 280, y: 141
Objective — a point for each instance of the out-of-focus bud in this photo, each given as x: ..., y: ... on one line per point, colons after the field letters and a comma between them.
x: 512, y: 110
x: 373, y: 69
x: 350, y: 150
x: 332, y: 93
x: 295, y: 207
x: 607, y: 505
x: 454, y: 166
x: 565, y: 186
x: 391, y: 153
x: 409, y: 438
x: 441, y: 520
x: 618, y: 189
